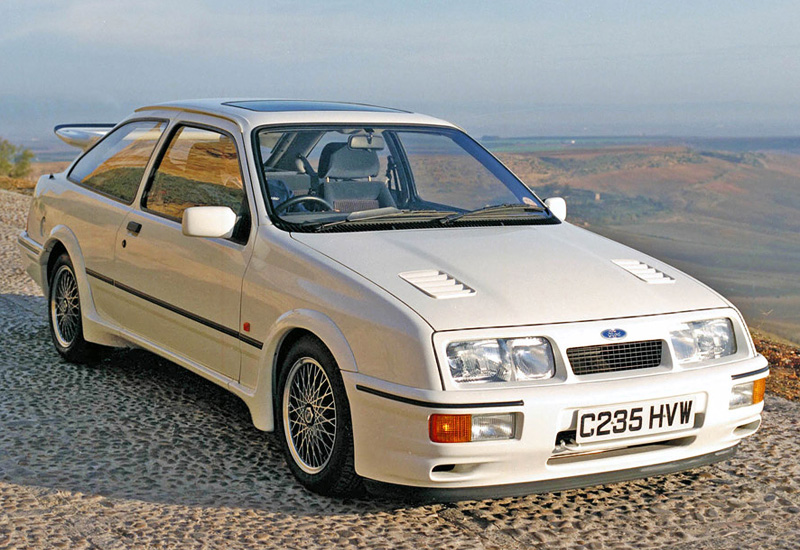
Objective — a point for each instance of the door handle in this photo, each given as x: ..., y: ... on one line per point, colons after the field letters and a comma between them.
x: 134, y: 227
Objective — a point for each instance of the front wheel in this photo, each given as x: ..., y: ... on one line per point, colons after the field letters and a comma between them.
x: 64, y: 305
x: 314, y: 421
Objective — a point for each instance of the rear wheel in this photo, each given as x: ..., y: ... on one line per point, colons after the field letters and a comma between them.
x: 66, y: 325
x: 314, y: 421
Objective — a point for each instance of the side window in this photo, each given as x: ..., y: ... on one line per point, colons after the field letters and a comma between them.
x: 199, y: 168
x: 116, y: 165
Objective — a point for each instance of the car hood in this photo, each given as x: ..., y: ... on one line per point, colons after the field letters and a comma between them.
x: 521, y: 275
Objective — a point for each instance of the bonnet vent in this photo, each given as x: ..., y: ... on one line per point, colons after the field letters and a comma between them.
x: 645, y: 272
x: 437, y: 284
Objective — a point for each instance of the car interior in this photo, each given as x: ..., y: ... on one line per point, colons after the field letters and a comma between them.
x: 347, y: 177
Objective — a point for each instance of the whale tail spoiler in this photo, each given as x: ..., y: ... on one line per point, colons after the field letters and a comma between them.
x: 82, y: 136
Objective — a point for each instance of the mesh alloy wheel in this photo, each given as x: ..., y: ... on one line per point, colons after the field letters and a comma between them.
x: 66, y: 318
x: 309, y: 415
x: 65, y: 308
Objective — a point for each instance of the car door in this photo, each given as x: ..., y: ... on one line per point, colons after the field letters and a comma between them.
x: 107, y: 180
x: 183, y: 293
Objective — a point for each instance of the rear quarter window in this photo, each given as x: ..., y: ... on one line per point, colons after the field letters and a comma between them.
x: 115, y: 166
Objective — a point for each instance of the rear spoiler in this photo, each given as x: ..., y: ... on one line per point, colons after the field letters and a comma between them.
x: 82, y: 136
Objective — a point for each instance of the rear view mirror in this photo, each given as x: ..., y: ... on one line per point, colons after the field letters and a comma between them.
x: 370, y: 142
x: 558, y: 207
x: 208, y: 221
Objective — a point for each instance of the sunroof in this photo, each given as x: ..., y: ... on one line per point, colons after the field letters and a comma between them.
x: 273, y: 105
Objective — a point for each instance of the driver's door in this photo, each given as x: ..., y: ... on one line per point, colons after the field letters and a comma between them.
x: 183, y: 293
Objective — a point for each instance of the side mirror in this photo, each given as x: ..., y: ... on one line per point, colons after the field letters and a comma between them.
x: 208, y: 221
x: 558, y: 207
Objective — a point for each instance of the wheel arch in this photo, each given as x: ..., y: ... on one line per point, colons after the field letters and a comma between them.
x: 53, y: 251
x: 62, y: 239
x: 289, y: 328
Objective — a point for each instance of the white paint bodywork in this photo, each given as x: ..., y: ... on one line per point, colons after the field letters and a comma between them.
x: 354, y: 292
x: 534, y: 263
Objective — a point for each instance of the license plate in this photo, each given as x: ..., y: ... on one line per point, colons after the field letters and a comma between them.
x: 635, y: 419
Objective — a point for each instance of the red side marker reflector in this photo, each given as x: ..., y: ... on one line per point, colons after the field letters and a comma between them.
x: 246, y: 327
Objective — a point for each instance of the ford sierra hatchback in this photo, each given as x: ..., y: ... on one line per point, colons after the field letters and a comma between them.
x: 387, y: 296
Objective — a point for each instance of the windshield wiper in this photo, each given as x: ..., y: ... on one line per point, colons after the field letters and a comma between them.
x: 384, y: 214
x: 494, y: 211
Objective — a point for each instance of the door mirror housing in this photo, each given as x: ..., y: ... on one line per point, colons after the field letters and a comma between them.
x: 558, y: 207
x: 208, y: 221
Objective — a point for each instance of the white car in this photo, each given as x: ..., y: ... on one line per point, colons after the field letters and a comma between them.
x: 386, y: 295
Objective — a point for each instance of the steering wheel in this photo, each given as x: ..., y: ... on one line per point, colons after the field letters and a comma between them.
x: 285, y: 205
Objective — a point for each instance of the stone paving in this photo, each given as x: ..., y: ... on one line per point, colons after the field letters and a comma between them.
x: 135, y: 452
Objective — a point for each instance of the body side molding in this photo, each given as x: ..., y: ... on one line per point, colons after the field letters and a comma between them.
x: 175, y: 309
x: 431, y: 405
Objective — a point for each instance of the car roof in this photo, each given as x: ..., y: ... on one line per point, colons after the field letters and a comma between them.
x: 251, y: 113
x: 275, y: 105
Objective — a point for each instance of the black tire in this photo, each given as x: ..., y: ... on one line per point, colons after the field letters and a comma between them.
x: 314, y: 426
x: 64, y: 314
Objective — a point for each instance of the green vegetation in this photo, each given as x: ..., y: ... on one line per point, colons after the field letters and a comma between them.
x: 15, y: 161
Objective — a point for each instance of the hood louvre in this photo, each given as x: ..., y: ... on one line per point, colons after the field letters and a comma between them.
x: 437, y: 284
x: 647, y: 273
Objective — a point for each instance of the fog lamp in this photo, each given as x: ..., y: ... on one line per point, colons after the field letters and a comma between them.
x: 742, y: 395
x: 463, y: 428
x: 488, y: 427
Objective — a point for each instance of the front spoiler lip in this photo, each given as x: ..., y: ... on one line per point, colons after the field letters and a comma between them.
x: 434, y: 494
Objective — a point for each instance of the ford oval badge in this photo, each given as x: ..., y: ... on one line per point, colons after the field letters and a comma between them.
x: 612, y: 333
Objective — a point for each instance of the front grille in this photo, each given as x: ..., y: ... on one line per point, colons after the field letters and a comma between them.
x: 615, y: 357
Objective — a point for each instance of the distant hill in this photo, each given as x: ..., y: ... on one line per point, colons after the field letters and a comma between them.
x: 729, y: 218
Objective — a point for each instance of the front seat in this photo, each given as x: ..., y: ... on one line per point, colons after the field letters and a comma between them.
x: 346, y: 175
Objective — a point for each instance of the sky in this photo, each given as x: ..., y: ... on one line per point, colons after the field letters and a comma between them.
x: 509, y: 68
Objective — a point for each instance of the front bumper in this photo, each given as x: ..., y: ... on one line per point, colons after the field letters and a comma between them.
x: 392, y: 446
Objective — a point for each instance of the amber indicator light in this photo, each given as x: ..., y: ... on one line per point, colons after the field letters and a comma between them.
x: 758, y: 390
x: 450, y: 428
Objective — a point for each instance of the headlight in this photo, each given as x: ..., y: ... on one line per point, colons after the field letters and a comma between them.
x: 699, y: 341
x: 501, y: 360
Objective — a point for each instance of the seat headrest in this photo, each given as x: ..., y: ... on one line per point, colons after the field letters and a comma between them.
x: 338, y: 161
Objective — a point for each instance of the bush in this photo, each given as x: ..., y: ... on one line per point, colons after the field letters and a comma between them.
x: 15, y: 161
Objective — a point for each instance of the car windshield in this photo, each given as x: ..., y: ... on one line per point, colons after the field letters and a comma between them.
x: 392, y: 177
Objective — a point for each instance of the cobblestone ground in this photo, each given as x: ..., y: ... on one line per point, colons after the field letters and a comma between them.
x: 137, y: 453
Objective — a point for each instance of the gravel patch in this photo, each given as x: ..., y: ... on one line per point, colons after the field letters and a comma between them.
x: 138, y: 453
